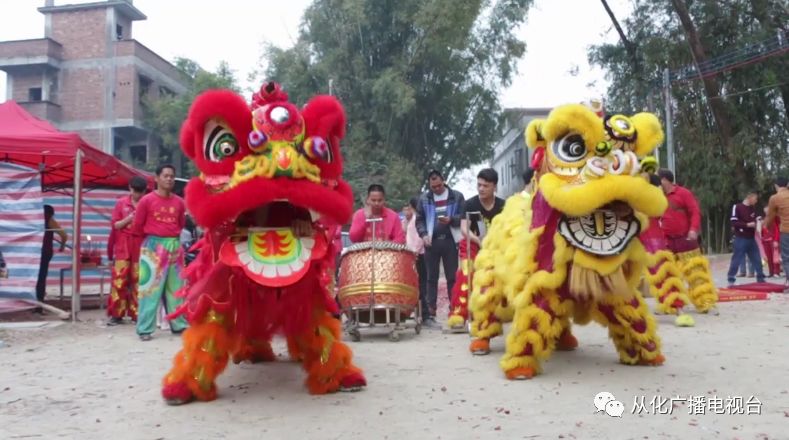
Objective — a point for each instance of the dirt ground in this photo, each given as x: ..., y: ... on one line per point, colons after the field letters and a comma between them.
x: 89, y: 381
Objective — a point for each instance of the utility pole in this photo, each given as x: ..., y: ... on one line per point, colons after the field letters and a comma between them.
x: 331, y: 82
x: 669, y: 123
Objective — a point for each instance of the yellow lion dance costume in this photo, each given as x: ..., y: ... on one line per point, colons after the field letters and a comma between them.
x: 571, y: 251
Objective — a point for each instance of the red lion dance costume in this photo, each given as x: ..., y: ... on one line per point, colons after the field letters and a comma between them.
x: 267, y: 174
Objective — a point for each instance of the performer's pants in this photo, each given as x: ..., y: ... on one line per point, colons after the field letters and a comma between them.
x: 421, y: 271
x: 773, y: 265
x: 745, y: 247
x: 785, y: 253
x: 441, y: 249
x: 43, y: 270
x: 161, y: 261
x: 460, y: 292
x: 123, y: 295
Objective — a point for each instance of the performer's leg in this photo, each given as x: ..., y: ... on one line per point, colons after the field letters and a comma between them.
x: 432, y: 261
x: 632, y: 328
x: 784, y: 248
x: 755, y: 257
x: 458, y: 308
x: 119, y: 291
x: 134, y: 284
x: 449, y: 255
x: 422, y: 274
x: 43, y: 271
x: 696, y: 270
x: 737, y: 259
x: 151, y: 285
x: 666, y: 284
x: 325, y: 357
x: 172, y: 285
x: 202, y: 359
x: 535, y: 331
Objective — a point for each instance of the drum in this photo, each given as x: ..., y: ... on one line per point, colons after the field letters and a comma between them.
x: 396, y: 283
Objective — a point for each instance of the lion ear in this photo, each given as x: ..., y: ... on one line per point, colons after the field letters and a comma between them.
x: 533, y: 134
x: 649, y: 133
x: 187, y: 140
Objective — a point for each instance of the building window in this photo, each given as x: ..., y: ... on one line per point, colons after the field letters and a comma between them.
x: 145, y: 86
x: 139, y: 154
x: 164, y: 92
x: 119, y: 32
x: 34, y: 94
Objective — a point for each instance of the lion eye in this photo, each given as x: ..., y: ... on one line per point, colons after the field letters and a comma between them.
x: 570, y: 148
x: 219, y: 142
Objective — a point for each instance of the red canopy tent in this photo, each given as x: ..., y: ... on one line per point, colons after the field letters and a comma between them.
x: 65, y: 161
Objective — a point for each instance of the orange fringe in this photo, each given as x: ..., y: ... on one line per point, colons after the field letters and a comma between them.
x: 327, y: 359
x: 203, y: 357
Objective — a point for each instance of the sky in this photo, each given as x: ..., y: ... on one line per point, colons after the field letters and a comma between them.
x: 554, y: 70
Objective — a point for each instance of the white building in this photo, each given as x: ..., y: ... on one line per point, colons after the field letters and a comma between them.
x: 510, y: 154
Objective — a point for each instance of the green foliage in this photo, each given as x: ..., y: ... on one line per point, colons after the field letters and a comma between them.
x: 756, y: 96
x: 419, y: 80
x: 165, y: 114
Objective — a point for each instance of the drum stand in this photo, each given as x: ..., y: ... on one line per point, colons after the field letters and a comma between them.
x: 354, y: 323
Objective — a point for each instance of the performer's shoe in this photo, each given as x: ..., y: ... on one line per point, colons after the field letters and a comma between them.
x: 146, y: 337
x: 480, y: 347
x: 353, y: 382
x: 177, y: 394
x: 114, y: 321
x: 520, y: 373
x: 684, y: 320
x: 741, y: 275
x: 654, y: 362
x: 566, y: 342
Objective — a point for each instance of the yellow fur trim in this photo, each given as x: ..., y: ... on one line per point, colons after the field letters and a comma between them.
x: 650, y: 132
x: 669, y: 276
x: 534, y: 138
x: 574, y: 118
x: 702, y: 289
x: 579, y: 200
x: 454, y: 321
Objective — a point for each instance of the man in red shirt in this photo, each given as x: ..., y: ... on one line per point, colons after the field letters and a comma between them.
x: 159, y: 219
x: 388, y: 229
x: 123, y: 248
x: 681, y: 223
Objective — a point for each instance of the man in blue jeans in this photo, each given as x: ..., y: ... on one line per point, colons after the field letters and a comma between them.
x: 743, y: 220
x: 438, y: 215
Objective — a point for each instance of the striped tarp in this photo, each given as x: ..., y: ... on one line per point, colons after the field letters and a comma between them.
x: 97, y: 208
x: 21, y: 229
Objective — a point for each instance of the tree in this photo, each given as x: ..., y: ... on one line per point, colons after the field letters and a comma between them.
x: 419, y: 80
x: 164, y: 114
x: 731, y: 127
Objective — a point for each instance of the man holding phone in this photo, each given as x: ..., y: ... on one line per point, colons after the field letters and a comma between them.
x: 438, y: 216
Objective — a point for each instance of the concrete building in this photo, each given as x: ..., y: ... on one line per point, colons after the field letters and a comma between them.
x: 510, y: 155
x: 90, y: 76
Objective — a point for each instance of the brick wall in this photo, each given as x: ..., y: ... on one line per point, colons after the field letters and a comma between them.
x: 22, y: 83
x: 125, y: 92
x: 93, y: 137
x: 82, y: 33
x: 81, y: 94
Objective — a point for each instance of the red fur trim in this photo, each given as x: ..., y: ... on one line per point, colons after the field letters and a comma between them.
x: 354, y: 380
x: 325, y: 117
x: 227, y: 107
x: 210, y: 209
x: 177, y: 391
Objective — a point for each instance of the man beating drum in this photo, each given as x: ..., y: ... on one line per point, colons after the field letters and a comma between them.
x: 387, y: 229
